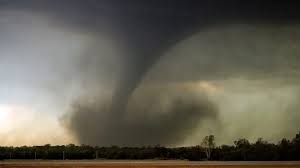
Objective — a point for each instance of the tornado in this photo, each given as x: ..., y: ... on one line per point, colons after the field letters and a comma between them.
x: 147, y: 29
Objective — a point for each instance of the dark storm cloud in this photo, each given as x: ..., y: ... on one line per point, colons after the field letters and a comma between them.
x: 147, y: 30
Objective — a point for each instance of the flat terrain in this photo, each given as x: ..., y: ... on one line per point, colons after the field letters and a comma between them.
x: 140, y: 164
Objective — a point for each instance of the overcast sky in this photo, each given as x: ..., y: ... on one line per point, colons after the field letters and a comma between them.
x: 62, y: 63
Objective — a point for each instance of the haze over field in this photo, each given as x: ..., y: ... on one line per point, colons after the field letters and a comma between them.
x: 147, y: 72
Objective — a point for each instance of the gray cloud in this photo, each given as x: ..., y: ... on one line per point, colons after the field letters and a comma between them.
x: 253, y: 51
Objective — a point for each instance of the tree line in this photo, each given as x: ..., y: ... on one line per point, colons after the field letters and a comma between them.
x: 241, y: 150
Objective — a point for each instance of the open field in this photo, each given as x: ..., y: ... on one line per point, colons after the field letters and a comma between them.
x: 146, y: 164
